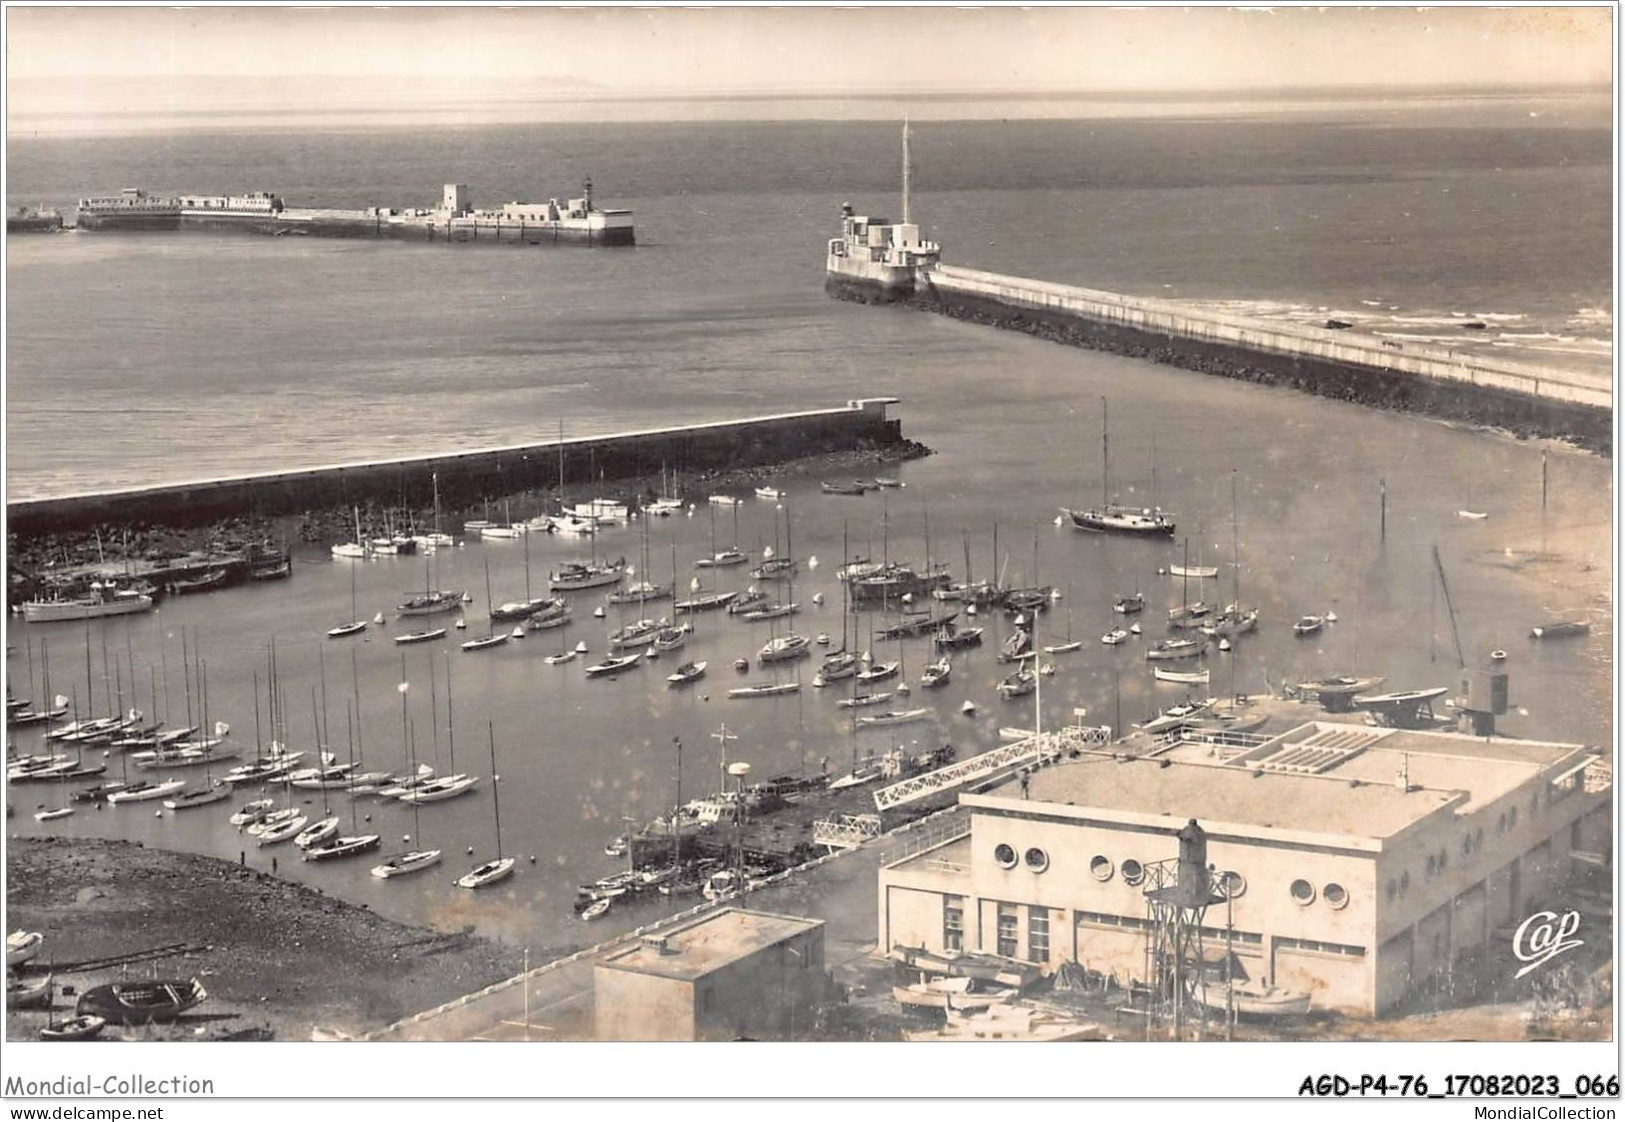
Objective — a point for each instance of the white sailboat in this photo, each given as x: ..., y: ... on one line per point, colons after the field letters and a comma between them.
x: 492, y: 871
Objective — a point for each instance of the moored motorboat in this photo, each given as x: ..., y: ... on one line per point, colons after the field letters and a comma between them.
x: 783, y: 648
x: 687, y: 672
x: 1129, y: 605
x: 1170, y: 649
x: 1308, y: 625
x: 937, y: 673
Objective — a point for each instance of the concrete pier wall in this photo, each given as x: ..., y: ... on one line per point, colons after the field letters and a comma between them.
x: 1525, y: 398
x: 467, y: 477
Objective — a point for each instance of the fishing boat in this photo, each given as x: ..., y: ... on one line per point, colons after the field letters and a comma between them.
x: 22, y: 946
x: 490, y: 872
x: 349, y: 846
x: 578, y: 575
x: 894, y: 717
x: 485, y: 642
x: 141, y: 1003
x: 1308, y: 625
x: 1115, y: 636
x: 426, y: 636
x: 783, y: 648
x: 1129, y: 605
x: 28, y: 993
x: 102, y: 600
x: 598, y: 909
x: 937, y: 673
x: 1194, y: 572
x: 1171, y: 649
x: 613, y: 664
x: 1019, y: 684
x: 765, y: 689
x: 771, y: 493
x: 561, y: 658
x: 74, y: 1028
x: 1180, y: 677
x: 835, y: 487
x: 1560, y: 629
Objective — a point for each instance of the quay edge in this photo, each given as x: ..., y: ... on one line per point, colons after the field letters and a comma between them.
x: 465, y: 478
x: 1520, y: 398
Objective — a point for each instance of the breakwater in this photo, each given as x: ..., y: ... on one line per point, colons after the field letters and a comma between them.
x: 465, y: 478
x: 1523, y: 398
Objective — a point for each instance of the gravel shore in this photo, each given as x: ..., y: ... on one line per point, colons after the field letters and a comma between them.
x: 279, y: 960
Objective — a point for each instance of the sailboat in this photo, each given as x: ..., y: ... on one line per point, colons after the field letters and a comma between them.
x: 518, y: 609
x: 1235, y: 619
x: 492, y: 638
x: 1071, y: 644
x: 416, y: 860
x: 329, y: 847
x: 357, y: 548
x: 1112, y: 517
x: 491, y: 871
x: 358, y: 623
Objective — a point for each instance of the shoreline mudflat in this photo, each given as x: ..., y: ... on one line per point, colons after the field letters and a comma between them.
x: 278, y: 960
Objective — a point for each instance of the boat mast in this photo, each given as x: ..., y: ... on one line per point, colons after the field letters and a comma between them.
x: 676, y: 814
x: 451, y: 739
x: 496, y: 803
x: 905, y: 171
x: 1105, y: 461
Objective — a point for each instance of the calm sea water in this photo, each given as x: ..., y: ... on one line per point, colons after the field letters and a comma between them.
x: 134, y: 359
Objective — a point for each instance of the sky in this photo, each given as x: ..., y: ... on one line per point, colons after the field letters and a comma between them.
x: 627, y: 50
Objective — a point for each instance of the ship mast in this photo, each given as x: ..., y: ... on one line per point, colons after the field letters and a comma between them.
x: 905, y: 171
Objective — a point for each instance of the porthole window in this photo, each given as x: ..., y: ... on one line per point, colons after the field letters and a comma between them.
x: 1133, y: 872
x: 1005, y: 855
x: 1232, y: 884
x: 1101, y: 866
x: 1335, y: 895
x: 1303, y: 892
x: 1037, y: 859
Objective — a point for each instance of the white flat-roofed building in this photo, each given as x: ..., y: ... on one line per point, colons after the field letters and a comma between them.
x: 1361, y: 861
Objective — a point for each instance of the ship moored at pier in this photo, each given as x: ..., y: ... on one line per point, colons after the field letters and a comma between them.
x: 455, y: 219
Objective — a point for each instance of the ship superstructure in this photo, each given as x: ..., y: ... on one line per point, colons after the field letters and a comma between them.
x: 456, y: 219
x: 875, y: 259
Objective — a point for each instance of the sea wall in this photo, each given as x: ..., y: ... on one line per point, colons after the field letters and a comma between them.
x: 1523, y: 398
x: 464, y: 478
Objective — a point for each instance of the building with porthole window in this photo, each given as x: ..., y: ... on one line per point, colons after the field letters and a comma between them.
x: 1358, y: 862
